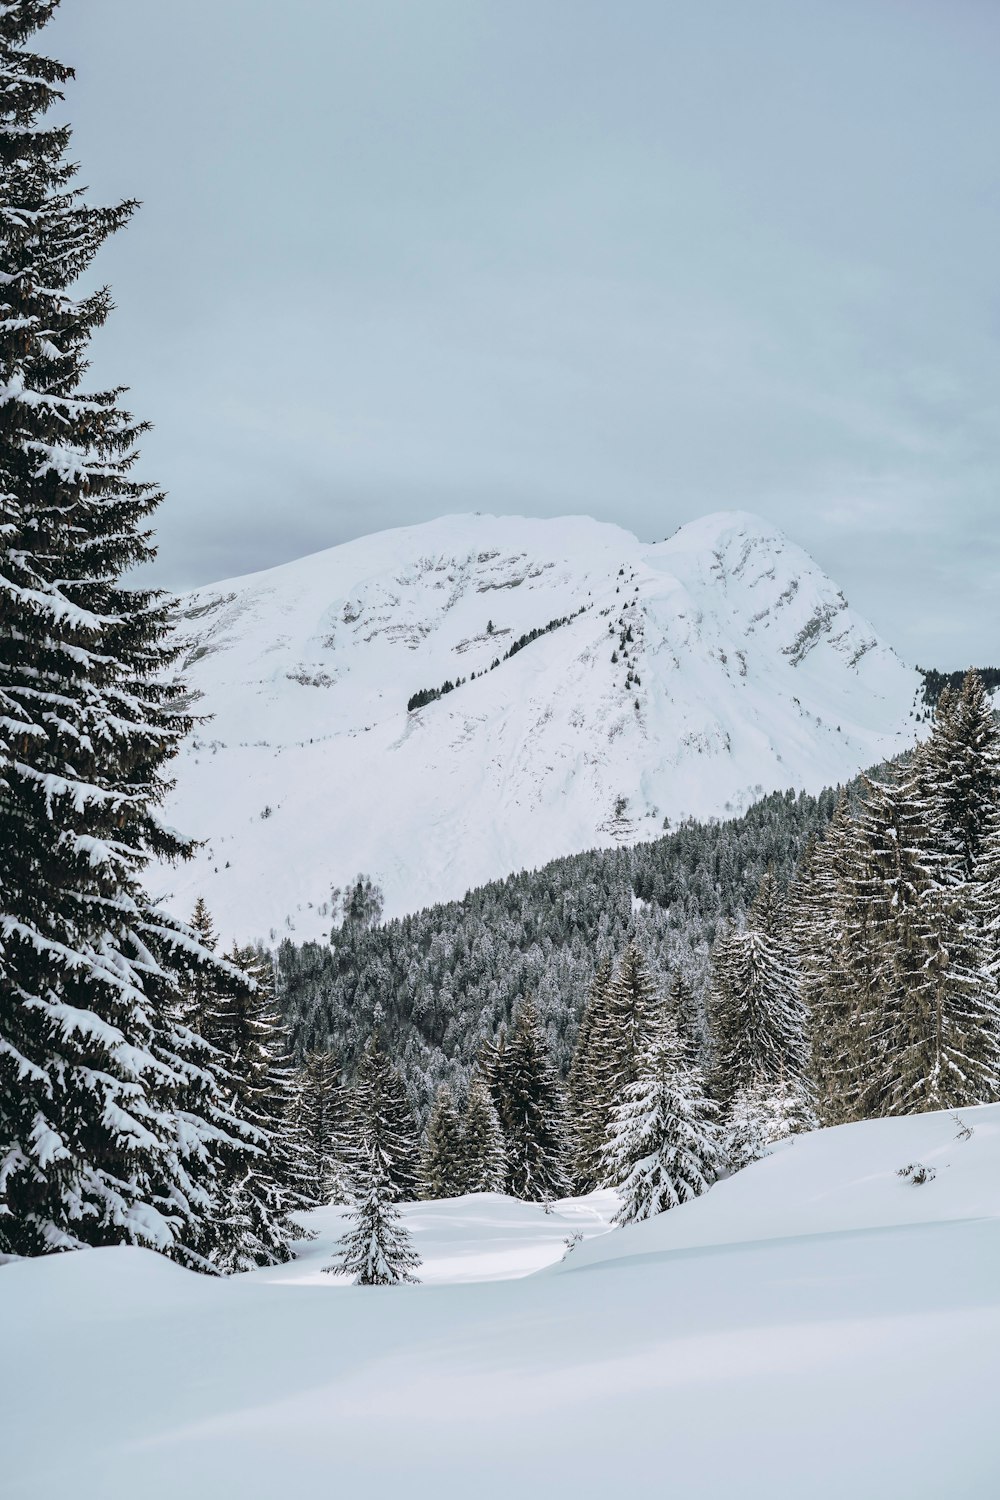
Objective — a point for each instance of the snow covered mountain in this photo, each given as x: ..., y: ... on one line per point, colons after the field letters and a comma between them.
x: 686, y: 677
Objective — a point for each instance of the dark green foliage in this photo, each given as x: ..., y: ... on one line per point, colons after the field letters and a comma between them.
x: 622, y: 1012
x: 447, y: 978
x: 757, y: 1016
x: 442, y: 1163
x: 588, y: 1104
x: 111, y: 1124
x: 897, y: 906
x: 484, y: 1153
x: 259, y: 1194
x: 421, y: 698
x: 532, y: 1111
x: 320, y: 1114
x: 936, y: 682
x: 540, y: 630
x: 381, y: 1115
x: 683, y: 1009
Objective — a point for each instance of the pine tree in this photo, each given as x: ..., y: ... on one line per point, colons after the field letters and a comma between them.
x: 683, y: 1010
x: 377, y: 1250
x: 532, y: 1113
x: 662, y: 1147
x: 380, y: 1112
x: 633, y: 1012
x: 261, y: 1193
x: 838, y: 962
x: 484, y: 1154
x: 320, y: 1110
x: 201, y: 994
x: 110, y: 1125
x: 442, y: 1165
x: 758, y: 1016
x: 960, y: 770
x: 760, y: 1116
x: 898, y: 968
x: 589, y: 1104
x: 622, y: 1013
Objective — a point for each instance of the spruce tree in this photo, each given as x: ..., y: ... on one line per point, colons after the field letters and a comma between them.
x: 202, y: 992
x: 758, y: 1117
x: 759, y: 1020
x: 633, y: 1013
x: 381, y: 1113
x: 960, y: 772
x: 532, y: 1112
x: 109, y: 1124
x: 320, y: 1110
x: 838, y: 961
x: 484, y: 1153
x: 895, y: 933
x: 442, y: 1164
x: 683, y: 1010
x: 260, y: 1194
x: 589, y: 1104
x: 622, y: 1014
x: 377, y: 1250
x: 662, y: 1147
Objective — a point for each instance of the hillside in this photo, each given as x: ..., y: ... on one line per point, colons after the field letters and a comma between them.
x: 688, y: 677
x: 816, y: 1325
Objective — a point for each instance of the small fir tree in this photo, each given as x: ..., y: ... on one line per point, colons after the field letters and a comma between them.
x: 377, y: 1250
x: 759, y: 1117
x: 663, y: 1143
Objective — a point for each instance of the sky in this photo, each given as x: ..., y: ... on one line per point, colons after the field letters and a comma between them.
x: 640, y: 259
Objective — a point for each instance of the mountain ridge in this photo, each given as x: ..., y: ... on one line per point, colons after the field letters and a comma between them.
x: 650, y: 681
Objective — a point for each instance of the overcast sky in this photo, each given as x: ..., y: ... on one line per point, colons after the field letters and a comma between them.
x: 637, y: 258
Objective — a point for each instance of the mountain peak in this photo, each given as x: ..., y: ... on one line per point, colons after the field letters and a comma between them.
x: 571, y: 686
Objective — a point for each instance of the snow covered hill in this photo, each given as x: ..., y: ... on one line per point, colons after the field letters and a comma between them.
x: 687, y: 678
x: 816, y: 1326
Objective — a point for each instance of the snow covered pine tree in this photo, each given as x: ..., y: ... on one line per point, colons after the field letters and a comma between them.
x: 663, y: 1144
x: 110, y: 1126
x: 759, y: 1020
x: 377, y: 1250
x: 484, y: 1154
x: 442, y: 1164
x: 532, y: 1111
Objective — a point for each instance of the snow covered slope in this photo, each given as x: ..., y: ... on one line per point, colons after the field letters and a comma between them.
x: 816, y: 1326
x: 740, y: 669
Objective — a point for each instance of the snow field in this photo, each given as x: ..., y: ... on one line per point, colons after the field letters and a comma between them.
x: 815, y: 1326
x: 754, y: 675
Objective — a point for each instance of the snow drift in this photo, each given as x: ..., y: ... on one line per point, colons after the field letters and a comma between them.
x: 816, y: 1326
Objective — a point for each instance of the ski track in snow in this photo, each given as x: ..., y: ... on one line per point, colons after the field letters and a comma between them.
x: 755, y: 675
x: 816, y: 1326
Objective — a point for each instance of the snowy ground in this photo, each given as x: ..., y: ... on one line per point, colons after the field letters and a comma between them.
x: 817, y: 1326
